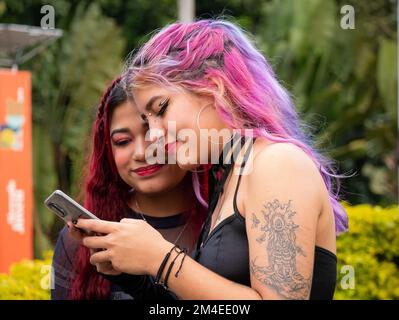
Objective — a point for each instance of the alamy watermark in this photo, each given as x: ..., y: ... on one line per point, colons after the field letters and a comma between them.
x: 48, y: 20
x: 47, y: 280
x: 191, y: 147
x: 348, y: 280
x: 348, y: 17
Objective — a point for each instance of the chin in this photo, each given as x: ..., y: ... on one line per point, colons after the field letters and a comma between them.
x: 155, y: 186
x: 188, y: 166
x: 150, y: 188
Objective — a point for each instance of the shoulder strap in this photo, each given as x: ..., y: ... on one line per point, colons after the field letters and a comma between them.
x: 245, y: 159
x: 214, y: 196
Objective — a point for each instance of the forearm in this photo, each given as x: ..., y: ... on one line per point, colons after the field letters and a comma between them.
x: 196, y: 282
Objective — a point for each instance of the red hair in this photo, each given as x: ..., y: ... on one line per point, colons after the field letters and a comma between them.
x: 106, y: 195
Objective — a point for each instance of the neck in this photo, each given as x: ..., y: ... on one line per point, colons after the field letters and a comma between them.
x: 171, y: 202
x: 230, y: 145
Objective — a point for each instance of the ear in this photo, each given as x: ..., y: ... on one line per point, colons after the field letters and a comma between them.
x: 219, y: 84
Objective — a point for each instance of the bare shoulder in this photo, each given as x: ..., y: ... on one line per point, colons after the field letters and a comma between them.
x: 286, y: 157
x: 282, y: 206
x: 280, y: 151
x: 284, y: 168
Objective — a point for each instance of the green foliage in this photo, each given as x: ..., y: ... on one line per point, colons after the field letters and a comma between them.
x: 371, y: 247
x: 68, y: 81
x: 343, y: 83
x: 44, y: 181
x: 28, y: 280
x: 139, y: 18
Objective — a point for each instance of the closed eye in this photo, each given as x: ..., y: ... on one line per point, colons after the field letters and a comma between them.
x: 163, y: 106
x: 121, y: 142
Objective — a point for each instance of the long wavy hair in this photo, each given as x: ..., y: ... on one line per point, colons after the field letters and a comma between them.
x: 106, y: 194
x: 189, y: 55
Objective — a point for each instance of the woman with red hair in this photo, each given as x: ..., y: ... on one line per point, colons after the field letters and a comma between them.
x: 121, y: 184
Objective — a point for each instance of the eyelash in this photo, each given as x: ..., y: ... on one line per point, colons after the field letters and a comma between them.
x: 164, y: 105
x: 121, y: 143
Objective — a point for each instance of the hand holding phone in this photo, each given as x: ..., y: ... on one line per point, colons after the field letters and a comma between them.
x: 68, y: 209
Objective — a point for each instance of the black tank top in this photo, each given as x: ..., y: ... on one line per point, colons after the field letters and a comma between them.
x: 225, y: 250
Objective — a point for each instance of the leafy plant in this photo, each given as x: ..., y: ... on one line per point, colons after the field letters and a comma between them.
x: 27, y: 280
x: 371, y: 248
x: 343, y: 83
x: 67, y: 83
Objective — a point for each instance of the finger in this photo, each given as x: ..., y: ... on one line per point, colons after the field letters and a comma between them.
x: 93, y: 251
x: 126, y: 220
x: 95, y: 242
x: 100, y: 257
x: 111, y: 272
x: 97, y: 226
x: 79, y: 231
x: 76, y: 233
x: 107, y: 268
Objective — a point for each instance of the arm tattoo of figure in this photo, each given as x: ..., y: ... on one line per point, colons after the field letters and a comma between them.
x: 279, y: 235
x: 255, y: 221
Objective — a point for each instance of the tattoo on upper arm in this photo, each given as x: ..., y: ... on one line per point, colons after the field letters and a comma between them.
x: 279, y: 236
x: 255, y: 221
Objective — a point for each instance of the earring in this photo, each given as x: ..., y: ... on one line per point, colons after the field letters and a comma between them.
x: 199, y: 114
x: 198, y: 125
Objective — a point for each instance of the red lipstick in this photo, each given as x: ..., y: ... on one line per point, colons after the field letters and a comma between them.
x: 148, y: 170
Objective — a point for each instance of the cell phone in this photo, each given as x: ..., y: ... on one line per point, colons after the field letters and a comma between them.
x: 67, y: 209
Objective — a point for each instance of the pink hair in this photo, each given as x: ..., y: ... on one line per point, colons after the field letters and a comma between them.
x: 188, y: 55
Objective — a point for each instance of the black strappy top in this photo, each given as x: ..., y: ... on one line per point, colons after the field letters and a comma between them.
x: 225, y: 250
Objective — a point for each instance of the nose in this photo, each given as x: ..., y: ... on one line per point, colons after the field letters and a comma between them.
x: 139, y: 149
x: 156, y: 130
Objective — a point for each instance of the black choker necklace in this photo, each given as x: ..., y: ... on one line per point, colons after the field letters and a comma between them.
x: 219, y: 171
x: 167, y: 222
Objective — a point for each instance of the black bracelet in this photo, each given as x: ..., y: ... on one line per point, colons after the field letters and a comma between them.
x: 181, y: 263
x: 162, y: 266
x: 165, y: 283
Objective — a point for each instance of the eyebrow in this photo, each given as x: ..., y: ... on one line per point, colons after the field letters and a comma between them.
x: 150, y: 102
x: 121, y: 130
x: 126, y: 130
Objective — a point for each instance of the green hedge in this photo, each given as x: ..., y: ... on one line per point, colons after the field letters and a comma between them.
x: 28, y: 279
x: 370, y: 249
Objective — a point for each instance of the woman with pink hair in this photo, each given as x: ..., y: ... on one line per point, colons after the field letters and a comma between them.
x: 274, y: 212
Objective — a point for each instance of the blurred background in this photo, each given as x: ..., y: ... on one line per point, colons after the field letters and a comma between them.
x: 343, y: 81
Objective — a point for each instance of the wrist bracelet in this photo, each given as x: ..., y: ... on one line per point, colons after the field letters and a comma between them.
x: 165, y: 282
x: 162, y: 266
x: 181, y: 263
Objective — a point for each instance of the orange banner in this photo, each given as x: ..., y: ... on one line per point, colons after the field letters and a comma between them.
x: 16, y: 201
